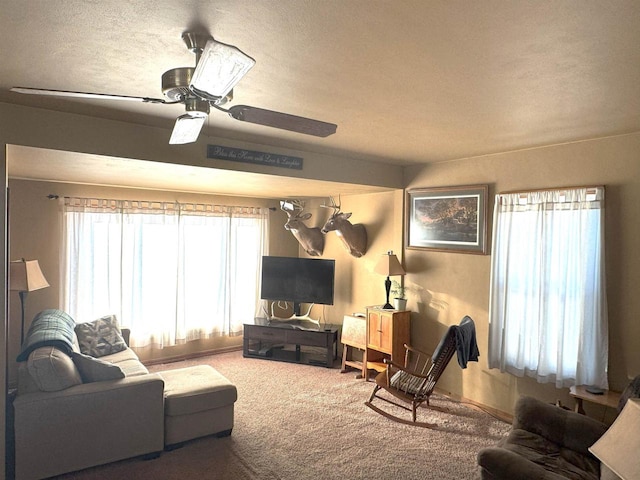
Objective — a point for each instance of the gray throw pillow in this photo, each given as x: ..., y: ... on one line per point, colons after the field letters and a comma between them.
x: 95, y: 370
x: 52, y: 369
x: 100, y: 337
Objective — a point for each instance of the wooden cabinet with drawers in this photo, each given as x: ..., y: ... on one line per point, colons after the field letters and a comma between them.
x: 387, y: 332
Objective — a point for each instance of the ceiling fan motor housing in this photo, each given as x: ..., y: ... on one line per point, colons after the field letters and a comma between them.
x: 175, y: 86
x: 175, y: 83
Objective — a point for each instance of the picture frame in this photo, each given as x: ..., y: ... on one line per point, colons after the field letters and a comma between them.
x: 447, y: 219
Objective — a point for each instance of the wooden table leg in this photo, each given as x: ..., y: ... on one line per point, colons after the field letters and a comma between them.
x: 365, y: 373
x: 344, y: 359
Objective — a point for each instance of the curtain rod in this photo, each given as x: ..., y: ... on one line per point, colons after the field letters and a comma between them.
x: 511, y: 192
x: 53, y: 196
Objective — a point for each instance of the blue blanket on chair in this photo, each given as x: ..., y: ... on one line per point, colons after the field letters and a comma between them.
x: 50, y: 328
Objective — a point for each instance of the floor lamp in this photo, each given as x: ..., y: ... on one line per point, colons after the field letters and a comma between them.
x: 388, y: 265
x: 25, y: 276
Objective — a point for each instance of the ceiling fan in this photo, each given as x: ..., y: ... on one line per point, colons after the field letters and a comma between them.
x: 219, y: 67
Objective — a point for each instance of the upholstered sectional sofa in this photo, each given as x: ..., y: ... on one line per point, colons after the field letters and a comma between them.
x: 85, y: 399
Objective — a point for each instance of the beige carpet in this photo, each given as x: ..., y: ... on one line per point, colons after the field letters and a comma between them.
x: 296, y: 422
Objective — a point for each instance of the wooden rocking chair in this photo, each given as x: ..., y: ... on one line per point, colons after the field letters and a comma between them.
x: 414, y: 382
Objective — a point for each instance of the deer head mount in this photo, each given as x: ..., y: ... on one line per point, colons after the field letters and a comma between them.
x: 354, y: 237
x: 310, y: 238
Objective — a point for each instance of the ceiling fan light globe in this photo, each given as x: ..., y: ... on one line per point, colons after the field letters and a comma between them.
x: 187, y: 128
x: 219, y: 69
x: 196, y: 107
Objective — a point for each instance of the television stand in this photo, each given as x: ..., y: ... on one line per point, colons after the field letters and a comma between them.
x: 295, y: 342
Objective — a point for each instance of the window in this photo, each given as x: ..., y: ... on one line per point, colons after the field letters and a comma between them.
x: 548, y: 312
x: 171, y: 272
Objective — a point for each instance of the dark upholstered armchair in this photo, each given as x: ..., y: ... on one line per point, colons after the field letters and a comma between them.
x: 545, y: 443
x: 549, y: 443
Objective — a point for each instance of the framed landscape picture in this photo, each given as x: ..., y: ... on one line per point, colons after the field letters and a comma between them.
x: 448, y: 219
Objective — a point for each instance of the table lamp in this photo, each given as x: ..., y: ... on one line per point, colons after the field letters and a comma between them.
x: 388, y: 265
x: 25, y: 276
x: 618, y: 447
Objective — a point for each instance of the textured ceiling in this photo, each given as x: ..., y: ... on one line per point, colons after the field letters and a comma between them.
x: 411, y: 81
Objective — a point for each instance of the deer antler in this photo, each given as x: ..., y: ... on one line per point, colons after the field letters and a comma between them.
x: 286, y: 206
x: 297, y: 204
x: 333, y: 205
x: 291, y: 205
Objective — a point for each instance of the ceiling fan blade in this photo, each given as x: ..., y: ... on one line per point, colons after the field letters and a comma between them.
x: 283, y: 121
x: 94, y: 96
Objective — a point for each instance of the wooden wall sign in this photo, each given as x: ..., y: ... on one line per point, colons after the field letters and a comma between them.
x: 251, y: 156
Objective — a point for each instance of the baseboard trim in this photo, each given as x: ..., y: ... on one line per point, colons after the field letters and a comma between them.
x: 494, y: 412
x: 191, y: 356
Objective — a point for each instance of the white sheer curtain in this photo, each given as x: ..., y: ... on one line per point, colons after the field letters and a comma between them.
x: 171, y: 272
x: 548, y: 311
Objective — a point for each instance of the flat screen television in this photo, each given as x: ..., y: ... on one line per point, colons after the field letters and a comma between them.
x: 298, y: 280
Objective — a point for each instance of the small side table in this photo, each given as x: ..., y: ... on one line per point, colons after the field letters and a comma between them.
x: 607, y: 399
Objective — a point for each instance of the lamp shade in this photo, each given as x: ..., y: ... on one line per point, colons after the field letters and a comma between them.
x: 26, y: 276
x: 618, y: 447
x: 389, y: 265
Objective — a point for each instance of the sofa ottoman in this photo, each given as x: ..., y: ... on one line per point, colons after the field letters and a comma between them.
x: 198, y: 401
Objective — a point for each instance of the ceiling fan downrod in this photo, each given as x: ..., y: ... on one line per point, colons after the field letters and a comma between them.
x: 195, y: 43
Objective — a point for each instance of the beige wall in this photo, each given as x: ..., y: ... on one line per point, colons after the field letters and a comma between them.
x: 35, y: 233
x: 34, y: 127
x: 451, y: 285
